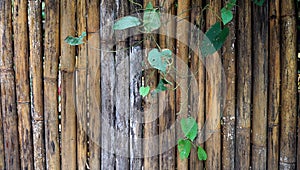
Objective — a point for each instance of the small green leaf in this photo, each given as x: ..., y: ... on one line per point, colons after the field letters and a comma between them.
x: 144, y: 91
x: 226, y: 15
x: 202, y: 156
x: 259, y: 2
x: 126, y: 22
x: 151, y: 18
x: 214, y: 39
x: 230, y: 4
x: 75, y: 40
x: 158, y: 60
x: 161, y: 86
x: 184, y: 148
x: 189, y: 127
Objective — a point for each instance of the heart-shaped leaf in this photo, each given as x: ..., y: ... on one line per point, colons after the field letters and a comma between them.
x: 151, y: 18
x: 75, y: 40
x: 189, y: 127
x: 159, y: 60
x: 226, y: 15
x: 161, y: 86
x: 144, y: 91
x: 184, y: 148
x: 202, y: 156
x: 214, y: 39
x: 126, y: 22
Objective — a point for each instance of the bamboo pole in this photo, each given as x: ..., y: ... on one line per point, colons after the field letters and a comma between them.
x: 2, y: 152
x: 81, y: 89
x: 36, y: 74
x: 287, y: 159
x: 135, y: 80
x: 167, y: 115
x: 94, y: 91
x: 107, y: 16
x: 8, y: 91
x: 51, y: 50
x: 213, y: 103
x: 197, y: 70
x: 150, y: 103
x: 122, y: 104
x: 274, y: 85
x: 244, y: 82
x: 260, y: 86
x: 182, y: 36
x: 228, y: 128
x: 21, y: 60
x: 67, y: 60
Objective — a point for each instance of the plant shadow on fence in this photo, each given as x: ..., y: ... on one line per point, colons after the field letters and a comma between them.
x: 137, y: 93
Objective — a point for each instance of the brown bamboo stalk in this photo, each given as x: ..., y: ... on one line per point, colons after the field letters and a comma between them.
x: 8, y: 92
x: 136, y: 115
x: 150, y: 104
x: 94, y: 132
x: 228, y: 128
x: 81, y: 90
x: 182, y: 36
x: 21, y: 60
x: 122, y: 93
x: 2, y: 152
x: 51, y: 50
x: 167, y: 159
x: 244, y: 82
x: 287, y: 159
x: 213, y: 104
x: 274, y: 85
x: 197, y: 93
x: 260, y: 86
x: 107, y: 15
x: 36, y: 74
x: 68, y: 115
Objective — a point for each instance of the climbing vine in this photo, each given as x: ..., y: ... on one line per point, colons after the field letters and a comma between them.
x: 161, y: 59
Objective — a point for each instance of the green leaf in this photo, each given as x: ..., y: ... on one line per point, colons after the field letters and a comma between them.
x: 230, y: 4
x: 126, y: 22
x: 144, y: 91
x: 226, y: 15
x: 201, y: 154
x: 75, y: 40
x: 189, y: 127
x: 151, y: 18
x: 259, y: 2
x: 184, y: 148
x: 214, y: 39
x: 161, y: 86
x: 158, y: 60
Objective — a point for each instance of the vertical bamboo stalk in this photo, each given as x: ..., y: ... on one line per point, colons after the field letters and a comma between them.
x: 81, y: 89
x: 150, y: 104
x: 51, y: 84
x: 122, y: 92
x: 274, y: 85
x: 108, y: 79
x: 244, y: 82
x: 36, y: 74
x: 2, y: 152
x: 21, y: 60
x: 8, y: 91
x: 94, y: 100
x: 287, y: 159
x: 197, y: 93
x: 68, y: 115
x: 182, y: 36
x: 167, y: 159
x: 228, y: 128
x: 213, y: 104
x: 260, y: 86
x: 135, y: 80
